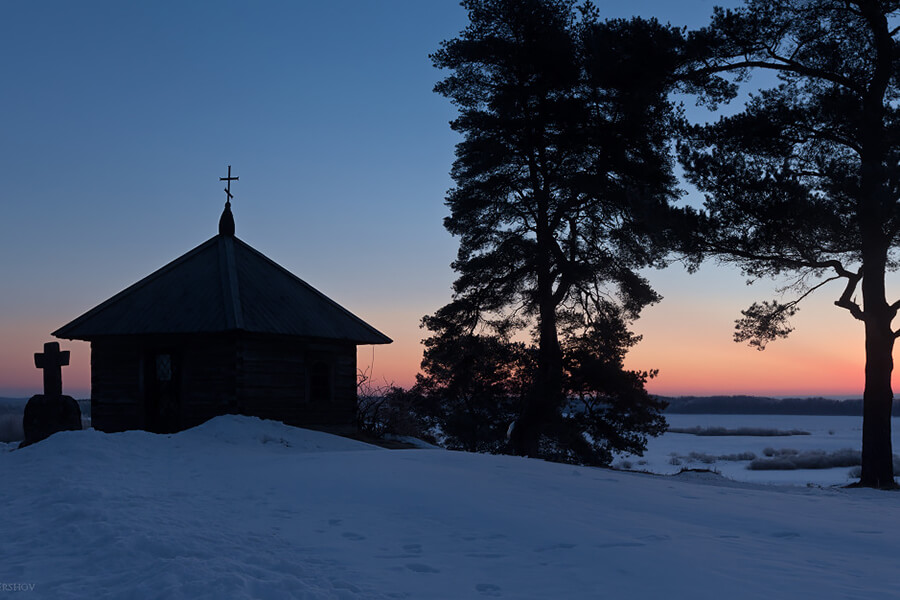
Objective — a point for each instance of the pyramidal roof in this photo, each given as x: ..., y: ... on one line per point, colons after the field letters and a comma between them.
x: 222, y: 285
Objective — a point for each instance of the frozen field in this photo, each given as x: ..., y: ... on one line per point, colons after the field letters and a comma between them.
x: 674, y: 451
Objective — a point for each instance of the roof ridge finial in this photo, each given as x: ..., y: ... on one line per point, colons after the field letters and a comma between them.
x: 226, y: 221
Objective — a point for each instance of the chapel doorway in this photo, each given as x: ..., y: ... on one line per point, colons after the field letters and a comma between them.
x: 162, y: 398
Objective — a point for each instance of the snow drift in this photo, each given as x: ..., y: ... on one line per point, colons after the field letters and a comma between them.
x: 240, y: 508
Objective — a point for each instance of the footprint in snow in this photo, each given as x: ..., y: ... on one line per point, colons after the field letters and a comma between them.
x: 786, y: 534
x: 621, y: 545
x: 488, y: 589
x: 420, y: 568
x: 555, y: 547
x: 655, y: 538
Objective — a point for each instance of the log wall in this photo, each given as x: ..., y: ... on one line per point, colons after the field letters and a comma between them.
x: 116, y: 386
x: 275, y: 381
x: 264, y: 376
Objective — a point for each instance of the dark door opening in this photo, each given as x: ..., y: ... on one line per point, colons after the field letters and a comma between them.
x: 162, y: 398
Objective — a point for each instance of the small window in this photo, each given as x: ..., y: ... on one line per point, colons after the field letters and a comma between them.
x: 320, y: 382
x: 164, y: 367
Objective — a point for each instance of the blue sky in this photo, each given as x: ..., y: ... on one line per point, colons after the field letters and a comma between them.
x: 118, y: 118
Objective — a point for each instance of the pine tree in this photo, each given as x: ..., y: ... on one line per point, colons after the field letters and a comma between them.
x: 561, y: 172
x: 804, y: 182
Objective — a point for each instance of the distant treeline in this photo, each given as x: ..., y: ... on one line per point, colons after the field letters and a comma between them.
x: 756, y: 405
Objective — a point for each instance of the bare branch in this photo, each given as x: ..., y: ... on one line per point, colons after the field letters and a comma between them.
x: 792, y: 263
x: 894, y: 308
x: 814, y: 288
x: 786, y: 65
x: 845, y: 301
x: 828, y: 136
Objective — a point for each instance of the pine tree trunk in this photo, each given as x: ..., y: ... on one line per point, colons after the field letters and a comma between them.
x: 541, y: 404
x: 877, y: 453
x: 874, y: 206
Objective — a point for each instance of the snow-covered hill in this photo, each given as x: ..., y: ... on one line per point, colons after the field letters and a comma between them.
x: 243, y: 508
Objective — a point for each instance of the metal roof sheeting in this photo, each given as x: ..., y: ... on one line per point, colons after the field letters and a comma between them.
x: 222, y: 285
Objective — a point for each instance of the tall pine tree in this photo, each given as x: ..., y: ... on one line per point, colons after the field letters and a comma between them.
x: 562, y: 167
x: 805, y: 181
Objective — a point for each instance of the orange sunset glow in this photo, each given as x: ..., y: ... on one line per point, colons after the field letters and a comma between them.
x: 687, y: 337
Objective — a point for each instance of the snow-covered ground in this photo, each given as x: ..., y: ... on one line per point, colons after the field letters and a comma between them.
x: 673, y: 452
x: 243, y: 508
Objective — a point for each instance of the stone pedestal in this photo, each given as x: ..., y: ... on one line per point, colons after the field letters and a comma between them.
x: 45, y: 415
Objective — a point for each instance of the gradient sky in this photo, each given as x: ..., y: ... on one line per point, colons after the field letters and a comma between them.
x: 118, y: 118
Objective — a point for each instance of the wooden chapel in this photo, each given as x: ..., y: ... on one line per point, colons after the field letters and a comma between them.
x: 221, y: 329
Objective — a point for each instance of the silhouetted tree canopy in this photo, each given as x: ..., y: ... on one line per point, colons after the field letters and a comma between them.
x: 473, y: 386
x: 804, y: 182
x: 560, y: 179
x: 608, y: 409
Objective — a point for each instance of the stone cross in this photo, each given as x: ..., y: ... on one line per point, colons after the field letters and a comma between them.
x: 52, y: 361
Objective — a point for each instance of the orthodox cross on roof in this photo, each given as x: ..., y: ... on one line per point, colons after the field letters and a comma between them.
x: 229, y: 179
x: 52, y: 361
x: 226, y: 222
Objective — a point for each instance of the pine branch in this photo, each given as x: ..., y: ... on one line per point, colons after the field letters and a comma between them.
x: 785, y: 65
x: 780, y: 260
x: 845, y: 300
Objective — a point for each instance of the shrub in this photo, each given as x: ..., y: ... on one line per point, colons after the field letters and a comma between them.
x: 392, y: 412
x: 740, y: 431
x: 702, y: 457
x: 738, y: 457
x: 813, y: 459
x: 709, y: 458
x: 780, y: 452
